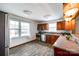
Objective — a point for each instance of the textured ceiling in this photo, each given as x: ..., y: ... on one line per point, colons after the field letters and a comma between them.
x: 39, y: 11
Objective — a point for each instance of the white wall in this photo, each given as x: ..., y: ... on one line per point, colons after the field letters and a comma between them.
x: 33, y: 30
x: 77, y: 25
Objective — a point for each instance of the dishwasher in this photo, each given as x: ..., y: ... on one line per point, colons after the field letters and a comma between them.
x: 43, y: 37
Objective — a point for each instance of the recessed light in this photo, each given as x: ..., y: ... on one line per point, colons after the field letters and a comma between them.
x: 28, y: 12
x: 47, y: 16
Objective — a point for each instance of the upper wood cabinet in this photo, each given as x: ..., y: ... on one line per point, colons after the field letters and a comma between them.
x: 66, y: 25
x: 70, y: 25
x: 61, y: 25
x: 42, y: 26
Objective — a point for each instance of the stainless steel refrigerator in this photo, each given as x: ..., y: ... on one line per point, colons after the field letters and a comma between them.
x: 4, y: 36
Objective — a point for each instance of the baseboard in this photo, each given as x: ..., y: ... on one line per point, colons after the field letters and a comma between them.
x: 22, y: 44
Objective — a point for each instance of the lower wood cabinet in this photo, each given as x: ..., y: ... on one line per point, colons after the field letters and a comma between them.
x: 50, y: 39
x: 61, y: 52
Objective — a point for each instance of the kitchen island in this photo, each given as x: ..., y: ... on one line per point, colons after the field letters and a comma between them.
x: 64, y: 47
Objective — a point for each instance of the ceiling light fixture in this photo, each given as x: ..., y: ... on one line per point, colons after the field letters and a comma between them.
x: 28, y: 12
x: 71, y: 12
x: 47, y: 17
x: 68, y: 19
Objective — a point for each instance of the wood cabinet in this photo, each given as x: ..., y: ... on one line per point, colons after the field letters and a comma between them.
x: 70, y: 25
x: 50, y: 39
x: 62, y: 52
x: 61, y: 25
x: 42, y: 26
x: 66, y: 25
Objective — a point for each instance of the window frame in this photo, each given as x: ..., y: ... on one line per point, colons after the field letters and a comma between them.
x: 24, y: 29
x: 19, y: 29
x: 52, y: 27
x: 11, y: 19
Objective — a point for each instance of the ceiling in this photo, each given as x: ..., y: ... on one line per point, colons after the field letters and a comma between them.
x: 39, y: 11
x: 72, y: 9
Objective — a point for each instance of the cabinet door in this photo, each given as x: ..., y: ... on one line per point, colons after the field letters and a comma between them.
x: 42, y: 26
x: 68, y: 25
x: 73, y: 24
x: 48, y: 39
x: 61, y: 25
x: 51, y: 39
x: 46, y: 26
x: 38, y: 27
x: 58, y: 25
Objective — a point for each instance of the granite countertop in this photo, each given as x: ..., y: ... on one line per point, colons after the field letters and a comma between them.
x: 68, y: 45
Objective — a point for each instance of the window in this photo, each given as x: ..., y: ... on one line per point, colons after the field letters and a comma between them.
x: 18, y: 29
x: 52, y: 27
x: 25, y: 29
x: 14, y: 29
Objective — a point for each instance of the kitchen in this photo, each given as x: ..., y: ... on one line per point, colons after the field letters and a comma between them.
x: 63, y: 30
x: 53, y: 31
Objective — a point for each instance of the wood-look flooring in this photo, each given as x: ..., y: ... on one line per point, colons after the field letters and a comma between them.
x: 35, y: 48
